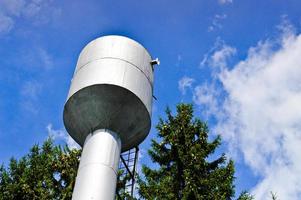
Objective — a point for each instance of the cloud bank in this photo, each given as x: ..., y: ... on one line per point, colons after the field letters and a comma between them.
x: 61, y: 135
x: 259, y: 112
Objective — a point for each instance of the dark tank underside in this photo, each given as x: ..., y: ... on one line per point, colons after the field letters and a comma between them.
x: 105, y: 106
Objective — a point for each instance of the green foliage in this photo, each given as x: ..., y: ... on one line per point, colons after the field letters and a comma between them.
x: 274, y: 196
x: 245, y: 196
x: 185, y: 169
x: 182, y: 154
x: 121, y: 192
x: 46, y: 172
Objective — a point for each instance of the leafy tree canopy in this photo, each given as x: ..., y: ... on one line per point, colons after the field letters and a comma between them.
x: 46, y: 172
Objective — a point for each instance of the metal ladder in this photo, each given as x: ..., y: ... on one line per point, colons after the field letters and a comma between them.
x: 127, y: 164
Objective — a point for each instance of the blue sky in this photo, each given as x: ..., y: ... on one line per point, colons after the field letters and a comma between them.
x: 238, y: 62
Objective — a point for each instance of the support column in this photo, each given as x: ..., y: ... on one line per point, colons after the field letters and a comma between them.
x: 97, y: 172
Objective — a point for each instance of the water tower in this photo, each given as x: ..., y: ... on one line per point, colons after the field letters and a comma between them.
x: 108, y: 110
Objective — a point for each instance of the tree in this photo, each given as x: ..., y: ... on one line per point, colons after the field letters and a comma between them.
x: 245, y: 196
x: 185, y: 169
x: 122, y: 181
x: 46, y: 172
x: 274, y: 196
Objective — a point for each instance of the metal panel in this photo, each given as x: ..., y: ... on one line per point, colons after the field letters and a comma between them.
x: 117, y: 47
x: 97, y: 172
x: 115, y: 72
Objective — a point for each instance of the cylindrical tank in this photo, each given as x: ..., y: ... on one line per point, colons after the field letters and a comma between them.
x: 108, y: 110
x: 112, y: 88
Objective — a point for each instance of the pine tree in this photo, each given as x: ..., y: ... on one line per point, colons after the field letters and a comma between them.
x: 185, y: 165
x: 245, y: 196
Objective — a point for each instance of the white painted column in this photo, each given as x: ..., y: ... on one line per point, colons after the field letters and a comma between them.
x: 97, y: 172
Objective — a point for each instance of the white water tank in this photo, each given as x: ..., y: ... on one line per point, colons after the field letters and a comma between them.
x: 112, y: 88
x: 108, y: 110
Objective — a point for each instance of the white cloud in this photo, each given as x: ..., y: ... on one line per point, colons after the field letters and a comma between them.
x: 12, y: 7
x: 45, y: 58
x: 219, y: 58
x: 179, y: 60
x: 36, y: 59
x: 36, y: 11
x: 205, y: 97
x: 184, y: 83
x: 217, y: 22
x: 260, y: 115
x: 218, y: 55
x: 225, y: 1
x: 30, y: 92
x: 61, y: 135
x: 31, y: 89
x: 286, y: 27
x: 6, y: 24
